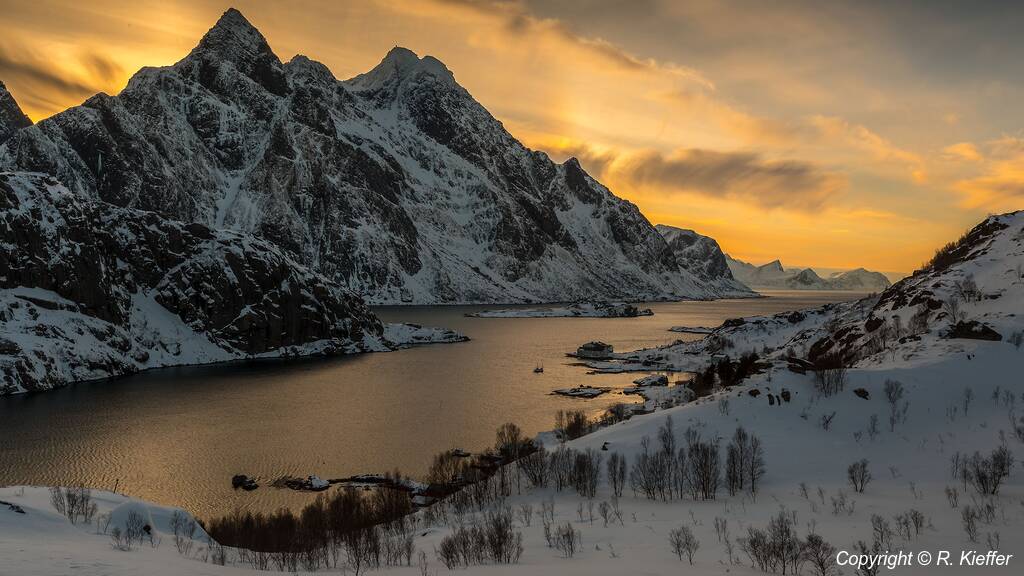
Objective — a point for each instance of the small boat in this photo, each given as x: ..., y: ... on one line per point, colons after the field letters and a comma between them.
x: 539, y: 369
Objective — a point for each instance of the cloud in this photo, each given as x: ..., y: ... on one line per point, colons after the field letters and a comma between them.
x: 40, y: 84
x: 999, y: 184
x: 962, y: 151
x: 741, y: 176
x: 102, y: 68
x: 518, y: 19
x: 36, y: 79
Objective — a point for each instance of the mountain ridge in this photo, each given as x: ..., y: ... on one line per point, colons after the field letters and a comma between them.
x: 396, y: 182
x: 774, y: 276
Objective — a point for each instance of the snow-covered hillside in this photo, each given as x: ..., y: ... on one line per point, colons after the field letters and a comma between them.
x: 974, y: 291
x: 773, y: 276
x: 703, y: 257
x: 913, y: 413
x: 89, y: 290
x: 396, y: 183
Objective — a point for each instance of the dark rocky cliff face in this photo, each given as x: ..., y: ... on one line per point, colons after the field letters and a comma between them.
x: 396, y: 183
x: 132, y: 284
x: 11, y: 116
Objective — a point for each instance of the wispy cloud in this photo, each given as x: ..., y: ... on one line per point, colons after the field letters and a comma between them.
x: 519, y: 20
x: 743, y: 177
x: 999, y: 182
x: 48, y: 84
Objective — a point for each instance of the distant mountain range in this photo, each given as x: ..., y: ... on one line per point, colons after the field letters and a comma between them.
x: 395, y: 183
x: 773, y: 276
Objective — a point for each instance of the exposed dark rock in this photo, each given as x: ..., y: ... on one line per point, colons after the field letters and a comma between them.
x: 96, y: 264
x: 11, y: 116
x: 973, y: 330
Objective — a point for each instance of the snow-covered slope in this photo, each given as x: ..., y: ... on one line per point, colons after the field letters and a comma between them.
x: 703, y: 257
x: 89, y: 290
x: 974, y: 293
x: 773, y: 276
x: 396, y: 183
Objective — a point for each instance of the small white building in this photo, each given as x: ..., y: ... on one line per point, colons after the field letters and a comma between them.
x: 595, y: 350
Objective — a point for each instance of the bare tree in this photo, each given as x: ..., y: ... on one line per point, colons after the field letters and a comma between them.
x: 858, y: 475
x: 897, y: 406
x: 821, y: 556
x: 683, y: 542
x: 951, y: 306
x: 616, y: 473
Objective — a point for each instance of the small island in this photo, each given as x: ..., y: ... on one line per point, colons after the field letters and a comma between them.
x: 574, y: 310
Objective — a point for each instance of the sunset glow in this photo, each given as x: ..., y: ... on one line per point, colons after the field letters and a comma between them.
x: 820, y: 136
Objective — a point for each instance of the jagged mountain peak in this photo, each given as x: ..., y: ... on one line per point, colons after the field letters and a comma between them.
x: 11, y: 116
x: 397, y: 183
x: 234, y: 41
x: 301, y: 66
x: 233, y: 35
x: 399, y: 65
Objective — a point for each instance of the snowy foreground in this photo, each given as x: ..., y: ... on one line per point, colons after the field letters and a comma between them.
x: 910, y: 467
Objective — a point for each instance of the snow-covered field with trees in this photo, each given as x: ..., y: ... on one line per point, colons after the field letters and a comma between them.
x: 852, y: 433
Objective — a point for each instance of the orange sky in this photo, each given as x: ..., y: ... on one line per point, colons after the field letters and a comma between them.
x: 835, y: 137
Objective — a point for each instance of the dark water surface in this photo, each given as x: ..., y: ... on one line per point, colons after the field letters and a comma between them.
x: 177, y: 435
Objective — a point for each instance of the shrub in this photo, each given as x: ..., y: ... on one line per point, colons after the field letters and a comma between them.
x: 705, y: 471
x: 897, y: 406
x: 986, y: 474
x: 969, y: 520
x: 683, y: 542
x: 919, y: 321
x: 830, y: 372
x: 571, y: 424
x: 616, y: 473
x: 567, y: 540
x: 510, y: 443
x: 73, y: 503
x: 447, y: 468
x: 744, y: 465
x: 858, y: 475
x: 369, y: 527
x: 820, y: 555
x: 651, y: 473
x: 586, y: 472
x: 778, y: 549
x: 945, y: 255
x: 535, y: 467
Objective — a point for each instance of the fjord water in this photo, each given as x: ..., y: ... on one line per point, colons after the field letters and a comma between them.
x: 177, y: 435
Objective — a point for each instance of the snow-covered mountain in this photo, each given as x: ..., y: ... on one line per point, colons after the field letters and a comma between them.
x: 703, y: 257
x: 973, y: 291
x: 773, y: 276
x: 89, y: 290
x: 396, y: 183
